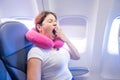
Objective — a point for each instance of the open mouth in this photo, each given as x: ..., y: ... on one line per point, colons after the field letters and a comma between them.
x: 54, y: 32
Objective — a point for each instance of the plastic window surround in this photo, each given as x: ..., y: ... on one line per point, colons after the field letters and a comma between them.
x: 76, y: 21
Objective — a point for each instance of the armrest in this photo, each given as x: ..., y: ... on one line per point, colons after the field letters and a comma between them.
x: 77, y: 71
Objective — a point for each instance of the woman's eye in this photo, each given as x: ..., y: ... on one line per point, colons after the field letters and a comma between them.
x: 50, y: 21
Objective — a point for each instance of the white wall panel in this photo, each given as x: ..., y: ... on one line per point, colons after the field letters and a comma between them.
x: 18, y: 8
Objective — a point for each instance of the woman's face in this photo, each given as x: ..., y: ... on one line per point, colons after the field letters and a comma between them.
x: 48, y: 26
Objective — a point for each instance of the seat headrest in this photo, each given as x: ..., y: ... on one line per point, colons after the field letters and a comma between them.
x: 12, y: 37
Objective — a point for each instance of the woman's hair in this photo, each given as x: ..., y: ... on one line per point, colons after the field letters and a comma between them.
x: 40, y: 18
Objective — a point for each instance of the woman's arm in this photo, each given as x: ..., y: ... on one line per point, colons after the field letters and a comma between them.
x: 72, y: 50
x: 34, y: 69
x: 74, y: 54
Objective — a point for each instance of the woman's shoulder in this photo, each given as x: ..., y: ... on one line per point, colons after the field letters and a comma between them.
x: 38, y: 49
x: 36, y: 52
x: 35, y: 49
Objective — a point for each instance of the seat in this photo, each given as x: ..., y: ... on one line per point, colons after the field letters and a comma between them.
x: 14, y: 48
x: 4, y: 75
x: 78, y: 72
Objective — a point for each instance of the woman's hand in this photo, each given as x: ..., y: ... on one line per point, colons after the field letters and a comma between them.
x: 60, y: 34
x: 74, y: 54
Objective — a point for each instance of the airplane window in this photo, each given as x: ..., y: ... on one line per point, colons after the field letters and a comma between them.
x: 113, y: 41
x: 27, y: 21
x: 75, y: 28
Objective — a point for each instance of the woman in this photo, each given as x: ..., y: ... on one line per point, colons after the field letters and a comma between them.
x: 50, y: 64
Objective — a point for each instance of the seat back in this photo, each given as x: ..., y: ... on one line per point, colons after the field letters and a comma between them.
x: 3, y: 72
x: 14, y: 48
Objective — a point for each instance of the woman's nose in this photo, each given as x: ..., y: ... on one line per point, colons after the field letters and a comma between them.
x: 55, y: 24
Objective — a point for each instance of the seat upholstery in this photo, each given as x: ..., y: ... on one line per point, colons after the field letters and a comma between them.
x: 14, y: 48
x: 4, y: 75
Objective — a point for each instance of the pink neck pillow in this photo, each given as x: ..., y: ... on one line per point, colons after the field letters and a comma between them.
x: 43, y: 41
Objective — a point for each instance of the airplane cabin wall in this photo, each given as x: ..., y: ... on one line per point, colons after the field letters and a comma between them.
x: 110, y: 62
x: 103, y: 11
x: 18, y: 8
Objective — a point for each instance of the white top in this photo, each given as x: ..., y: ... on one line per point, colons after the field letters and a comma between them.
x: 54, y: 63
